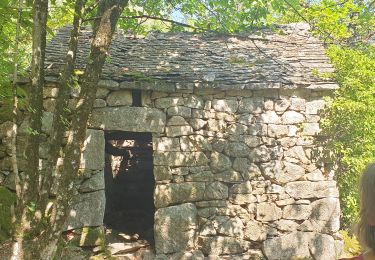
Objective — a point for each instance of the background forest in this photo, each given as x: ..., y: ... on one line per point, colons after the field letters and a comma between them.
x: 347, y: 27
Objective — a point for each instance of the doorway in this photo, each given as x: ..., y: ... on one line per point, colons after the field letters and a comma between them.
x: 129, y: 184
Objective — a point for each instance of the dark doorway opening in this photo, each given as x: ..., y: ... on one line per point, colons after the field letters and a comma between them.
x: 129, y: 184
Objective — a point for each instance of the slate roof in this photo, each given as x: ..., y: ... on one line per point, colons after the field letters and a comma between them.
x: 288, y: 57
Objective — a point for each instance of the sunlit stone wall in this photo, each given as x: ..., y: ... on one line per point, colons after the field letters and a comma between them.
x: 238, y: 173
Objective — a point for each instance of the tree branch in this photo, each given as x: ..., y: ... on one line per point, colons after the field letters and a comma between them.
x: 152, y: 18
x: 328, y: 35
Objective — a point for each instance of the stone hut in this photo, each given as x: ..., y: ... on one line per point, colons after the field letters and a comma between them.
x: 210, y: 140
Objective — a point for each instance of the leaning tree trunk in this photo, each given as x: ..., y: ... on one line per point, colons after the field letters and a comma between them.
x: 47, y: 241
x: 17, y: 245
x: 26, y: 186
x: 35, y: 99
x: 103, y: 30
x: 60, y: 113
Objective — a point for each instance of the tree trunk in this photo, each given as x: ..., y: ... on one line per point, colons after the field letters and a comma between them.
x: 103, y: 30
x: 37, y: 183
x: 60, y: 112
x: 47, y: 242
x: 31, y: 182
x: 17, y: 245
x: 25, y: 196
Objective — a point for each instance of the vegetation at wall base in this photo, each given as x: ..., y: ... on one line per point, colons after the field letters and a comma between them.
x: 7, y: 199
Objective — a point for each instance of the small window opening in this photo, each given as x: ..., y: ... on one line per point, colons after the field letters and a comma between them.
x: 137, y: 98
x: 129, y: 184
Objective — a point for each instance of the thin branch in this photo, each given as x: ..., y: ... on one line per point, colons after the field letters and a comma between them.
x: 140, y: 23
x: 152, y: 18
x: 328, y: 35
x: 297, y: 12
x: 335, y: 4
x: 161, y: 19
x: 215, y: 14
x: 90, y: 8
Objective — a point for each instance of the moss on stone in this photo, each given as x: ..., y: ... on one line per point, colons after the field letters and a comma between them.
x: 89, y: 236
x: 7, y: 199
x: 92, y: 236
x: 237, y: 60
x: 73, y: 252
x: 139, y: 76
x: 323, y: 75
x: 241, y: 61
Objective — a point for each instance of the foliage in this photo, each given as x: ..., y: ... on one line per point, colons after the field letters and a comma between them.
x: 351, y: 245
x: 7, y: 199
x: 350, y: 121
x: 204, y: 15
x: 348, y: 22
x: 61, y: 13
x: 8, y: 15
x: 6, y: 101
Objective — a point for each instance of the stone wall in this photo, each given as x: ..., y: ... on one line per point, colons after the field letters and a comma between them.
x: 236, y: 172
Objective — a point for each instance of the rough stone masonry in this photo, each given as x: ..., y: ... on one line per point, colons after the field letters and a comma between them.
x: 234, y: 122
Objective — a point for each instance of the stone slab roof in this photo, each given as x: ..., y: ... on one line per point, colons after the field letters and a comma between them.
x: 286, y: 58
